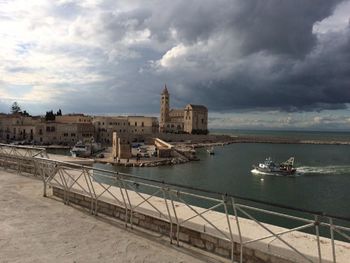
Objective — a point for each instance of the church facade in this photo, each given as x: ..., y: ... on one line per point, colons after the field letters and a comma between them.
x: 192, y: 119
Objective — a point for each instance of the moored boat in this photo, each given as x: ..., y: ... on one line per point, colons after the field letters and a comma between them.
x: 81, y: 149
x: 211, y: 150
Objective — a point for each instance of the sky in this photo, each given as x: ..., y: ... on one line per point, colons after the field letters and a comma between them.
x: 279, y: 64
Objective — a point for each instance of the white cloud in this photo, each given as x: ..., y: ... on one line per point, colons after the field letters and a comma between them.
x: 336, y: 22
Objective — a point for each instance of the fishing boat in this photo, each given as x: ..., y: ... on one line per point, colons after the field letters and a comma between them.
x: 270, y: 167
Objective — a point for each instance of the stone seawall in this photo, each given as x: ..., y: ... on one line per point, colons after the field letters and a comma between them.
x: 195, y: 238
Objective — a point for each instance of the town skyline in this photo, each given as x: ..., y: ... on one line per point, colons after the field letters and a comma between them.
x: 272, y: 65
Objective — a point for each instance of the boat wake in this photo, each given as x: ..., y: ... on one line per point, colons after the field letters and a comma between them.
x: 257, y: 172
x: 313, y: 170
x: 325, y: 170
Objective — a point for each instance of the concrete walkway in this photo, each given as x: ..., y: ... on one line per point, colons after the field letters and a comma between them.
x: 38, y: 229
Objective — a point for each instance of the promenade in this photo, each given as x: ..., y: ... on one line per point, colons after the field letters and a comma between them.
x: 38, y: 229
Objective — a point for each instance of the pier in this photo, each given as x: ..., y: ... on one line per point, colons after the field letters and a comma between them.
x: 227, y: 227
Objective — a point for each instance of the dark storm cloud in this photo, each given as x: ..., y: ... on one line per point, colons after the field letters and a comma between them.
x: 307, y: 71
x: 282, y: 27
x: 275, y: 26
x: 318, y: 82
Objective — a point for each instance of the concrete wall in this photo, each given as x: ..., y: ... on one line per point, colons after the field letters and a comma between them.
x: 190, y: 138
x: 197, y: 239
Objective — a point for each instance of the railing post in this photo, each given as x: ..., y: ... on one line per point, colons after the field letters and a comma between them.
x: 177, y: 220
x: 239, y: 230
x: 170, y: 219
x: 224, y: 200
x: 317, y: 230
x: 332, y: 239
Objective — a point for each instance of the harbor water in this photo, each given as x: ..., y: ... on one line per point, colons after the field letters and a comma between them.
x: 321, y: 184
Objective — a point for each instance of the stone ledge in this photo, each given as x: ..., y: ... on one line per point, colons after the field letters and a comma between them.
x: 197, y: 239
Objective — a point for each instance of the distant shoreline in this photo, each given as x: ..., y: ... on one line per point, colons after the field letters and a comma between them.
x: 279, y: 140
x: 221, y: 140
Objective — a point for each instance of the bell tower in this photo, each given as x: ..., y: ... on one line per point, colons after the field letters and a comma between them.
x: 164, y: 109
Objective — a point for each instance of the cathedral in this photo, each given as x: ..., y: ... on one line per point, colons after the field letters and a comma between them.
x: 192, y: 119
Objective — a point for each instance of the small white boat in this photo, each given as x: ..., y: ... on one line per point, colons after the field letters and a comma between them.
x: 211, y: 150
x: 81, y: 149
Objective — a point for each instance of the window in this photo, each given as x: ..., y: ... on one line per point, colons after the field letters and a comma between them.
x: 72, y: 134
x: 142, y: 124
x: 135, y: 123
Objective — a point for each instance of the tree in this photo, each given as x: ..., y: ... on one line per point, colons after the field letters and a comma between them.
x: 59, y: 113
x: 50, y: 116
x: 25, y: 113
x: 15, y: 108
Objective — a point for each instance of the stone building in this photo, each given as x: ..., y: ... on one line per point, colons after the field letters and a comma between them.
x: 73, y: 118
x: 16, y: 127
x: 192, y: 119
x: 124, y: 126
x: 143, y: 125
x: 36, y: 130
x: 106, y: 125
x: 71, y: 128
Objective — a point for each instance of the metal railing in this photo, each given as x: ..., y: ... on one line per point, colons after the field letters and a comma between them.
x: 167, y: 201
x: 22, y: 151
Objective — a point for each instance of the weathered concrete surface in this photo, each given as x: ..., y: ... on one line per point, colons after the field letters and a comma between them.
x: 38, y: 229
x: 305, y: 243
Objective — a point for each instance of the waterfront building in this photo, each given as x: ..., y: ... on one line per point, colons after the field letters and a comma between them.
x: 106, y: 125
x: 192, y: 119
x: 71, y: 128
x: 37, y: 130
x: 124, y: 126
x: 142, y: 125
x: 73, y: 118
